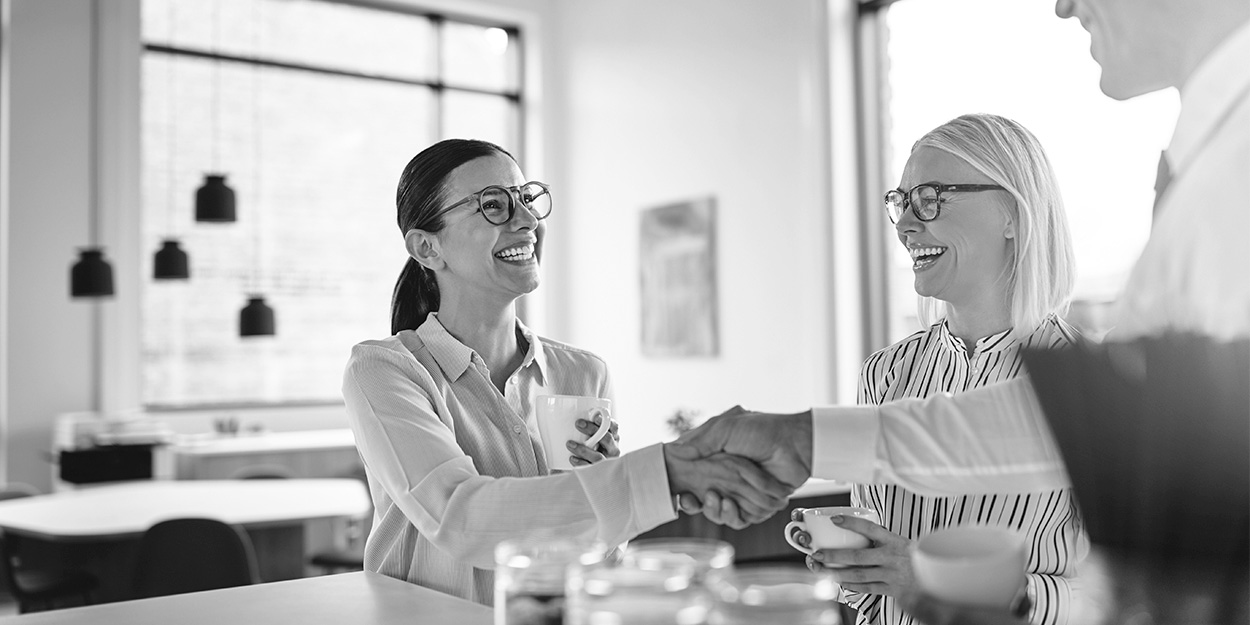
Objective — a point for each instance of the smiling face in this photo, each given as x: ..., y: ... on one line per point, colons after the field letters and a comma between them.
x: 964, y: 256
x: 1130, y: 40
x: 477, y: 259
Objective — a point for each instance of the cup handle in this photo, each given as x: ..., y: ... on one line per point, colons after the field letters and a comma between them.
x: 605, y: 424
x: 790, y: 527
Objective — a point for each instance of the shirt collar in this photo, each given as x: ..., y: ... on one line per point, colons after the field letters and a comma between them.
x: 992, y: 343
x: 454, y: 357
x: 1208, y: 97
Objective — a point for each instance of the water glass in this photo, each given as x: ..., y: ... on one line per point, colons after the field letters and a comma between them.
x: 530, y: 578
x: 663, y: 593
x: 703, y: 554
x: 773, y: 594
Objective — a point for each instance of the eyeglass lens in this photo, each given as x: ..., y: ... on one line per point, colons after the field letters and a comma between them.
x: 497, y: 202
x: 923, y: 201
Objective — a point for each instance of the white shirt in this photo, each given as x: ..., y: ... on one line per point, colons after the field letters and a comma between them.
x: 455, y: 466
x: 934, y: 361
x: 1191, y: 276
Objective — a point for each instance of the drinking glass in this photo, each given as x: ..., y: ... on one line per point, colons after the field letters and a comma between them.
x: 773, y: 594
x: 703, y: 554
x: 663, y: 593
x: 530, y: 578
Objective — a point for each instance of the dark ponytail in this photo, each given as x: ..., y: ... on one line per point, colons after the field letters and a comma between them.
x: 419, y: 198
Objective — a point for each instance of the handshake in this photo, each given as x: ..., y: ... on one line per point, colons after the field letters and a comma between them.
x: 739, y: 468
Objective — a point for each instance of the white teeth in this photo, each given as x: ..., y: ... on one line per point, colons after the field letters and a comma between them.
x: 520, y: 252
x: 919, y: 252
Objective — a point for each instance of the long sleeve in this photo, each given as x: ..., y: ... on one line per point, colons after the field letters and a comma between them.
x: 1052, y: 599
x: 993, y: 439
x: 407, y: 437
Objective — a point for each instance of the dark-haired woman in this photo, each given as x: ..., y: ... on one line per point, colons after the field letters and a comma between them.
x: 443, y: 412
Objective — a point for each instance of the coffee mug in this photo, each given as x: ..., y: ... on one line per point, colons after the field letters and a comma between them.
x: 972, y: 566
x: 818, y: 524
x: 557, y: 424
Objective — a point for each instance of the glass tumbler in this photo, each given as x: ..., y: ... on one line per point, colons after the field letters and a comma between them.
x: 664, y: 593
x: 530, y: 578
x: 703, y: 554
x: 773, y: 594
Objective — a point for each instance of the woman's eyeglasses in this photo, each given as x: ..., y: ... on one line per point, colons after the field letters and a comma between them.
x: 498, y: 204
x: 925, y: 200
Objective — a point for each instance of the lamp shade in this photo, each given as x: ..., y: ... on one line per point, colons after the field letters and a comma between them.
x: 171, y: 262
x: 256, y: 319
x: 214, y: 201
x: 91, y: 276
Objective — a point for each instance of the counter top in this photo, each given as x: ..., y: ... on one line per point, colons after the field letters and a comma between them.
x: 360, y: 598
x: 125, y: 510
x: 207, y: 445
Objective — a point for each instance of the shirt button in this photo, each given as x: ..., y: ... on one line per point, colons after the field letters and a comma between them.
x: 511, y: 380
x: 517, y: 429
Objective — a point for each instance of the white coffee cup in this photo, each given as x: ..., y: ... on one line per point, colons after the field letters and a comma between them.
x: 557, y: 424
x: 973, y: 566
x: 818, y: 524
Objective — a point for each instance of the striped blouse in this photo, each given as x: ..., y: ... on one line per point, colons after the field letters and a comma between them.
x: 935, y: 361
x: 455, y: 466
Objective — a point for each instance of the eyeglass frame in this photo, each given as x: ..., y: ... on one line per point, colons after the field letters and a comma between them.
x: 514, y: 197
x: 939, y: 189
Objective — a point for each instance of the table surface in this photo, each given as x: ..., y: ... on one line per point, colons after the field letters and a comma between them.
x: 126, y: 510
x: 361, y: 598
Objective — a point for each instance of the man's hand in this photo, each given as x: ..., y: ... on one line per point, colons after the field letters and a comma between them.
x: 757, y: 494
x: 882, y: 569
x: 781, y: 444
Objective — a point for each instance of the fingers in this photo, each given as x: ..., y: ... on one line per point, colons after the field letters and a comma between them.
x: 869, y: 588
x: 689, y: 504
x: 873, y: 531
x: 608, y: 446
x: 712, y: 507
x: 582, y: 455
x: 706, y: 439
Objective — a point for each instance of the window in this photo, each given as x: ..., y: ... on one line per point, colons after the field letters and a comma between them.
x: 944, y: 58
x: 310, y: 109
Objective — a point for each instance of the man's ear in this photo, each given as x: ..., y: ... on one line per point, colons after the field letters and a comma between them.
x: 425, y: 248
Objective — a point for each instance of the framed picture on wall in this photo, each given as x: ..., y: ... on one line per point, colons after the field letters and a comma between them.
x: 678, y: 279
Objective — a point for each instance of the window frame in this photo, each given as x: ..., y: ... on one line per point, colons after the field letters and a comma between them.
x: 116, y: 352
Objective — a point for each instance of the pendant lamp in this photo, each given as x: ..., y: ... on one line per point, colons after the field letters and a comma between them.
x: 170, y: 262
x: 256, y: 319
x: 92, y: 276
x: 214, y: 201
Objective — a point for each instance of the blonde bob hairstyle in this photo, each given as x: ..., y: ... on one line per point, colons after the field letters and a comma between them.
x: 1043, y: 268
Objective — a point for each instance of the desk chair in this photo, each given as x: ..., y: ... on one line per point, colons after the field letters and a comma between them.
x: 190, y: 555
x: 36, y: 589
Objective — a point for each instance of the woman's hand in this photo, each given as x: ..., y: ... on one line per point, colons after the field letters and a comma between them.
x: 882, y: 569
x: 607, y: 447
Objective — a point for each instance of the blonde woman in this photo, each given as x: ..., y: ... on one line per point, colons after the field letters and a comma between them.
x: 979, y: 211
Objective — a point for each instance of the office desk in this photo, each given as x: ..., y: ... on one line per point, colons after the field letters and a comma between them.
x: 98, y: 528
x: 359, y: 598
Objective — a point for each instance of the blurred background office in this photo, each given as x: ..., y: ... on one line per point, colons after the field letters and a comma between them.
x: 775, y: 127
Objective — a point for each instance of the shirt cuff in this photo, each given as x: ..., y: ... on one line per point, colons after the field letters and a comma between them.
x: 844, y: 443
x: 648, y: 481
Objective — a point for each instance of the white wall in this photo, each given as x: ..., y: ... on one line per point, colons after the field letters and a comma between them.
x: 50, y: 343
x: 661, y: 100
